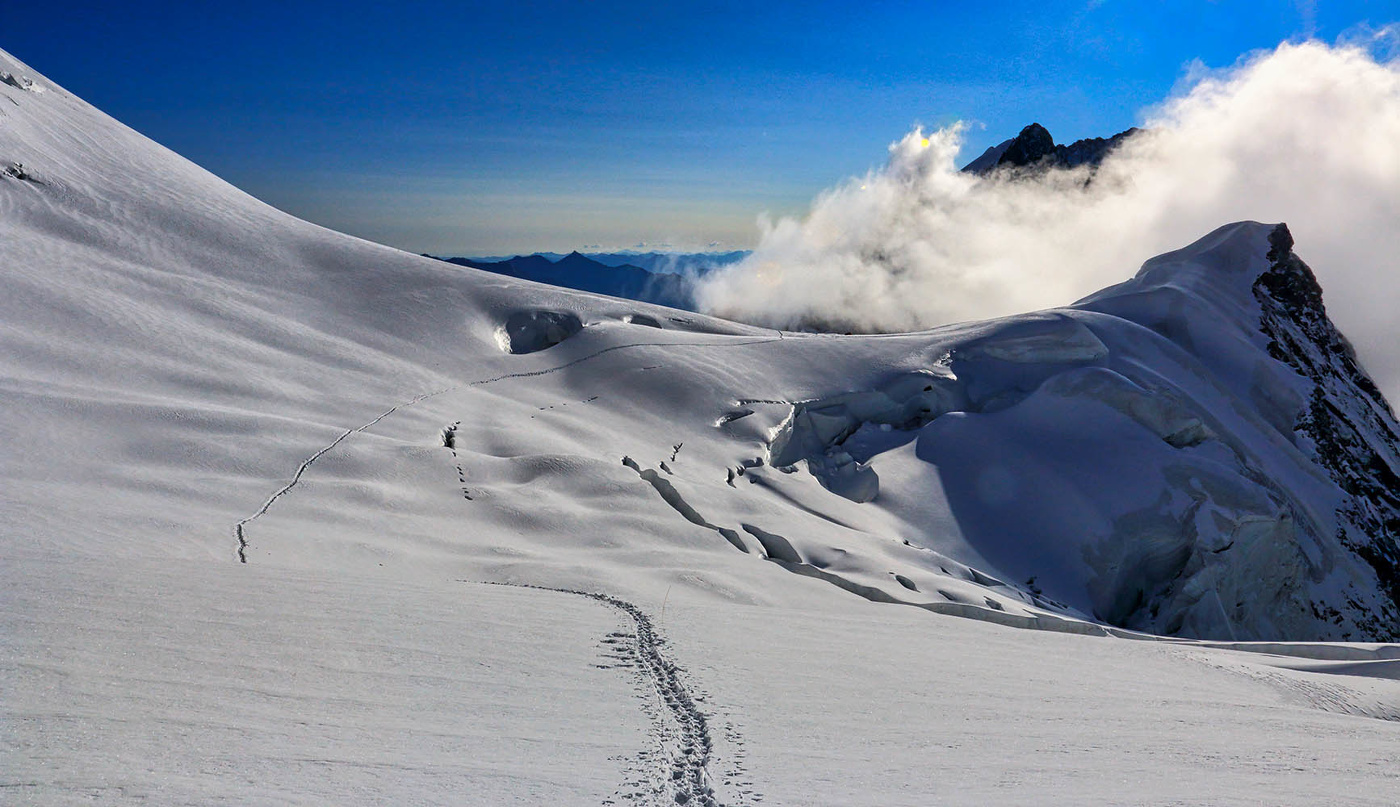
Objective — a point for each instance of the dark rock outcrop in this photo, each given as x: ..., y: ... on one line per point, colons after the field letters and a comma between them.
x: 1029, y: 147
x: 1035, y: 148
x: 1349, y: 427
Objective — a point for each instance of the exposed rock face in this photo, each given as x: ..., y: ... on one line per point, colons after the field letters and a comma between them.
x: 1035, y: 148
x: 1347, y: 426
x: 1091, y: 150
x: 1031, y: 146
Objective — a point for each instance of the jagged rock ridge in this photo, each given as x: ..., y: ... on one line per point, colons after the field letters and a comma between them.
x: 1346, y: 425
x: 1035, y: 147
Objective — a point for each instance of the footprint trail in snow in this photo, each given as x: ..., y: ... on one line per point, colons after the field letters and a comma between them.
x: 684, y: 730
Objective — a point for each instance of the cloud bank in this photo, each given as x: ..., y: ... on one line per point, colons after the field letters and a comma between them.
x: 1308, y: 134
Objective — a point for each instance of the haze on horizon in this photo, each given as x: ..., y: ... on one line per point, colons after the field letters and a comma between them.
x: 484, y: 128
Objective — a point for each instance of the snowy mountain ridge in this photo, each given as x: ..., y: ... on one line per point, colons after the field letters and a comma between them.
x: 1146, y: 458
x: 1319, y: 382
x: 1180, y: 476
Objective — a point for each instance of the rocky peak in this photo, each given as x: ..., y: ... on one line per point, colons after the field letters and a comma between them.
x: 1349, y: 427
x: 1032, y: 145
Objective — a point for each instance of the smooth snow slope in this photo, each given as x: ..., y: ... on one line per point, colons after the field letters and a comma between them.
x: 193, y: 379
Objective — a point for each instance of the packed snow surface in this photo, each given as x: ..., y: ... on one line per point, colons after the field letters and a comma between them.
x: 260, y: 478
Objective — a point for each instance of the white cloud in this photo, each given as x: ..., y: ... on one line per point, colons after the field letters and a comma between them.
x: 1308, y: 134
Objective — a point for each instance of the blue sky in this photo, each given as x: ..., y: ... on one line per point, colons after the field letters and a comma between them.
x: 485, y: 128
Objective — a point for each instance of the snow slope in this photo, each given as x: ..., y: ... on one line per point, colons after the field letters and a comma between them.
x: 256, y: 473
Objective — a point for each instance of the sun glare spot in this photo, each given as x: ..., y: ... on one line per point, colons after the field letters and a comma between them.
x: 770, y: 273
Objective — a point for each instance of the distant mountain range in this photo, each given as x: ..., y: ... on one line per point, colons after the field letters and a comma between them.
x: 674, y: 263
x: 665, y: 278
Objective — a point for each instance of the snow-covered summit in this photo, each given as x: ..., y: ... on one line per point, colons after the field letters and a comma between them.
x: 1149, y: 456
x: 1242, y: 304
